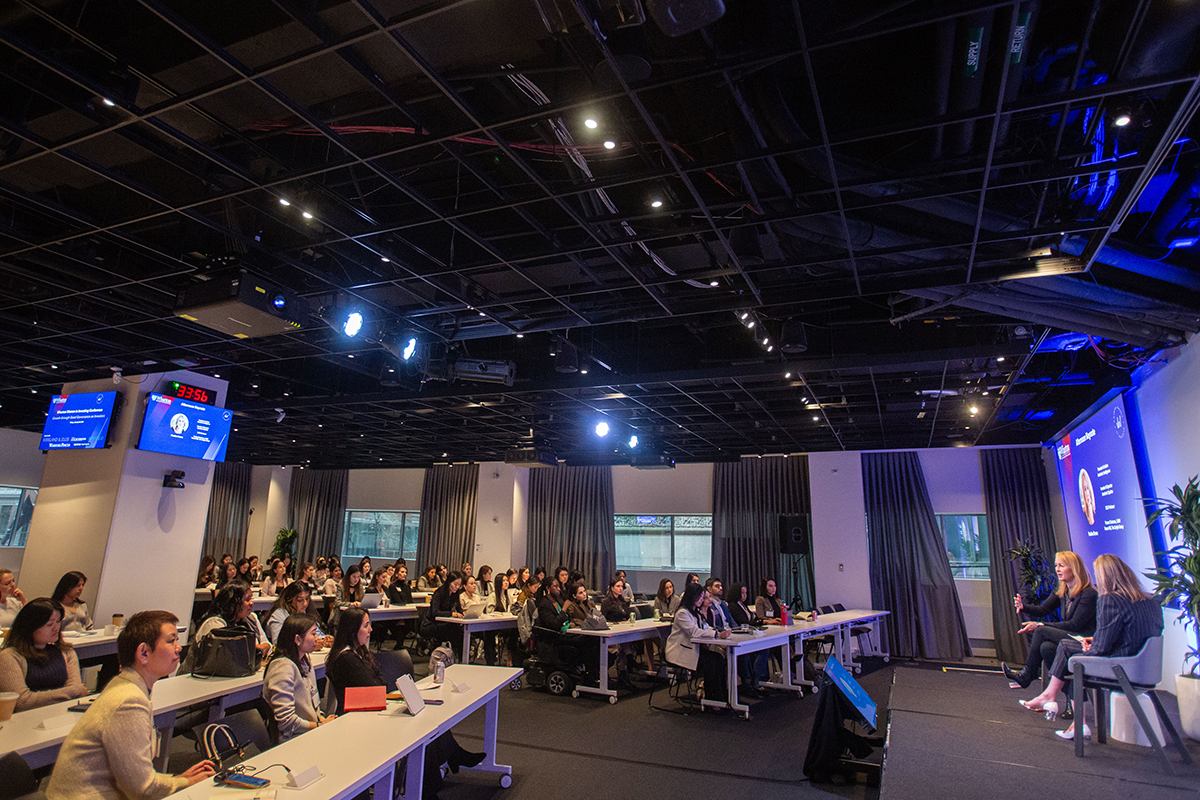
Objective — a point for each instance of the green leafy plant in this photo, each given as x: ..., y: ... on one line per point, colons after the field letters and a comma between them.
x: 1178, y: 580
x: 1038, y: 580
x: 285, y: 543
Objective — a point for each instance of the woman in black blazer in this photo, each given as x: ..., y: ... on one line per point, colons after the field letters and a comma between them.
x: 1076, y: 597
x: 443, y: 604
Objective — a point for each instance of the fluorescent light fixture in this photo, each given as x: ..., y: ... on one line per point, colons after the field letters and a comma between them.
x: 352, y: 324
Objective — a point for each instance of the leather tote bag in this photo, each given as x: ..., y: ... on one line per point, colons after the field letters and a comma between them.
x: 226, y: 653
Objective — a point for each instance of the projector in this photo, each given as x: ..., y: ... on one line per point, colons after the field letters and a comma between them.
x: 473, y: 369
x: 242, y: 306
x: 651, y: 461
x: 531, y: 457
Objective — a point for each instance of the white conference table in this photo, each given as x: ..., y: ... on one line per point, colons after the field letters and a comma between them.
x: 39, y: 746
x: 496, y: 620
x: 618, y: 633
x: 359, y: 750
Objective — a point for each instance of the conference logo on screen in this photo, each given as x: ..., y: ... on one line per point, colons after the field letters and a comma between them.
x: 1064, y: 448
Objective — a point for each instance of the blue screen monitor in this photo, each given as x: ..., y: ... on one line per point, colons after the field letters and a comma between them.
x: 855, y: 693
x: 78, y: 421
x: 1100, y: 487
x: 185, y: 428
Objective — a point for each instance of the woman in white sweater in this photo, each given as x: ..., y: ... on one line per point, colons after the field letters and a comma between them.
x: 290, y: 685
x: 109, y: 753
x: 685, y: 644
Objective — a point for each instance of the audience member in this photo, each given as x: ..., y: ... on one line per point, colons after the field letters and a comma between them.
x: 287, y: 564
x: 321, y: 573
x: 399, y: 592
x: 685, y: 644
x: 626, y: 590
x: 75, y: 611
x: 614, y: 606
x: 469, y: 595
x: 579, y: 607
x: 290, y: 685
x: 485, y: 581
x: 109, y: 752
x: 767, y: 606
x: 522, y: 578
x: 1075, y: 597
x: 465, y: 571
x: 35, y: 662
x: 243, y: 570
x: 443, y: 604
x: 562, y: 575
x: 429, y: 580
x: 308, y: 576
x: 255, y: 570
x: 330, y: 589
x: 274, y: 583
x: 666, y: 602
x: 721, y: 619
x: 207, y: 574
x: 232, y: 607
x: 690, y: 579
x: 225, y: 573
x: 295, y: 599
x: 350, y: 590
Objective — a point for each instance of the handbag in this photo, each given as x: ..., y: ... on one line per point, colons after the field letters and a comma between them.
x: 228, y: 652
x: 594, y: 621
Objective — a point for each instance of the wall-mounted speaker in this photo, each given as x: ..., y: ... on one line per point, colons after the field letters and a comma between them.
x: 794, y: 535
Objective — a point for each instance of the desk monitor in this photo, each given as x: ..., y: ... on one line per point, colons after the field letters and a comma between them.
x: 185, y: 428
x: 79, y: 421
x: 853, y: 692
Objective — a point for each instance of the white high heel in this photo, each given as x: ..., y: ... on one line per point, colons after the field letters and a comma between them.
x: 1069, y: 733
x: 1051, y: 709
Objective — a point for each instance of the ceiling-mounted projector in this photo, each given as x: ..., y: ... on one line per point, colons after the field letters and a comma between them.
x: 531, y: 457
x: 242, y: 305
x: 473, y: 369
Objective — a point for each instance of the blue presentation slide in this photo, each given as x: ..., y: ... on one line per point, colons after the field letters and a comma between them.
x: 1100, y: 487
x: 78, y: 421
x: 853, y: 691
x: 184, y: 428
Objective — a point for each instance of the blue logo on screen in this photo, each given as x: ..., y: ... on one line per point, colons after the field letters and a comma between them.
x: 78, y: 421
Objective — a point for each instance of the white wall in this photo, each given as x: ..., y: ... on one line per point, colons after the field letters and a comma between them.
x: 494, y: 516
x: 277, y: 508
x: 1167, y: 402
x: 839, y: 521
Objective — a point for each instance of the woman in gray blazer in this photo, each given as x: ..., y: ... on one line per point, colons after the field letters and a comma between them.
x: 685, y: 644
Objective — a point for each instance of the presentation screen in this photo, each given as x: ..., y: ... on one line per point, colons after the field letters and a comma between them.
x: 853, y: 691
x: 78, y: 421
x: 184, y: 428
x: 1100, y: 487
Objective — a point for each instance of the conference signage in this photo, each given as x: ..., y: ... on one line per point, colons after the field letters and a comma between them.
x: 182, y: 427
x: 1100, y: 486
x: 78, y: 421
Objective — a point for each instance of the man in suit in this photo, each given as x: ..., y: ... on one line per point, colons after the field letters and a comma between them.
x: 722, y: 620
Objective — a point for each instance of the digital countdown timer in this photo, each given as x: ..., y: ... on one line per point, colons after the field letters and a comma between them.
x: 195, y: 393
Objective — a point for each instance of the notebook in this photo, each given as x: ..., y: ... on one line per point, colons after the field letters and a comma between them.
x: 365, y: 698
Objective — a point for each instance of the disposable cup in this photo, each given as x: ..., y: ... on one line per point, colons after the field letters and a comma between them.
x: 8, y: 702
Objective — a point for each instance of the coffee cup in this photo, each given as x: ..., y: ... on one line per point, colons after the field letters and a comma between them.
x: 110, y: 630
x: 8, y: 702
x: 118, y: 620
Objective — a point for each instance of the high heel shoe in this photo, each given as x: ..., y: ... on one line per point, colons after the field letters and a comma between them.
x: 1069, y: 733
x: 1051, y: 710
x: 1029, y: 705
x: 1017, y: 678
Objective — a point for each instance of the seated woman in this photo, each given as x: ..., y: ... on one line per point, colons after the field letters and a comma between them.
x: 75, y: 611
x: 379, y: 582
x: 254, y: 575
x: 109, y: 752
x: 350, y: 663
x: 207, y: 574
x: 35, y: 662
x: 614, y: 606
x: 243, y: 570
x: 232, y: 607
x: 626, y: 589
x: 767, y: 606
x: 429, y: 580
x: 290, y: 685
x: 308, y: 576
x: 485, y: 583
x: 666, y: 602
x: 1126, y: 617
x: 579, y: 607
x: 330, y: 589
x: 276, y: 581
x: 1076, y: 597
x: 755, y: 667
x: 685, y: 644
x: 226, y: 572
x: 443, y: 604
x: 296, y: 599
x: 399, y: 592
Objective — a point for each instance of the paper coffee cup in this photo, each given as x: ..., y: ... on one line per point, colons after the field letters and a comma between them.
x: 118, y: 620
x: 110, y: 630
x: 8, y: 702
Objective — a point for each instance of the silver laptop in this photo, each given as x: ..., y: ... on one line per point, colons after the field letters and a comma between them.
x: 475, y: 610
x: 371, y: 600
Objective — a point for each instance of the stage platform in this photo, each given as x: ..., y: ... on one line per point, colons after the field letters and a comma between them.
x: 961, y: 734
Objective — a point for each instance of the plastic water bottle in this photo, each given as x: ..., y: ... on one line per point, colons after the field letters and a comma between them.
x: 632, y: 617
x: 439, y: 672
x: 657, y: 614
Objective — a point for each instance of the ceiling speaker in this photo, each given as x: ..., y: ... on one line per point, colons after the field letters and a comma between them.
x: 677, y: 17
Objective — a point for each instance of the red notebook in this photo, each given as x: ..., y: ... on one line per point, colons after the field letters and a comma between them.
x: 365, y: 698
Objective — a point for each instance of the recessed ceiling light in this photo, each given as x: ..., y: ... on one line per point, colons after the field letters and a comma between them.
x: 985, y: 394
x: 750, y: 324
x: 609, y: 144
x: 656, y: 203
x: 306, y: 215
x: 482, y: 314
x: 714, y: 283
x: 520, y: 336
x: 384, y: 259
x: 1001, y: 358
x: 33, y: 390
x: 583, y: 371
x: 815, y: 417
x: 1122, y: 119
x: 107, y: 102
x: 283, y: 201
x: 591, y: 123
x: 787, y: 375
x: 350, y: 355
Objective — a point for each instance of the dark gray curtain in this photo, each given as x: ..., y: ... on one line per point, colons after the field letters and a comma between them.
x: 571, y: 521
x: 317, y: 510
x: 910, y: 571
x: 1018, y: 507
x: 748, y: 497
x: 447, y: 532
x: 228, y: 510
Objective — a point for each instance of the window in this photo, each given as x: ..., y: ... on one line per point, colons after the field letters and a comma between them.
x: 667, y: 542
x: 966, y: 538
x: 16, y: 510
x: 385, y: 535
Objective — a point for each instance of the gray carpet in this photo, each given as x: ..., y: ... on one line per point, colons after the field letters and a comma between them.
x: 963, y: 735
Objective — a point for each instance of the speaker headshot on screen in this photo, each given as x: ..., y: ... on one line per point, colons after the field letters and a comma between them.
x: 1087, y: 496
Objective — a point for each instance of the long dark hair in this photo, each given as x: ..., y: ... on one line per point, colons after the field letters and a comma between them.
x: 352, y: 593
x: 33, y: 615
x: 286, y: 647
x: 773, y: 599
x: 692, y: 594
x: 444, y: 589
x: 350, y: 620
x: 734, y: 595
x: 66, y: 583
x: 501, y: 599
x: 288, y: 597
x: 662, y: 589
x: 228, y: 601
x: 206, y: 569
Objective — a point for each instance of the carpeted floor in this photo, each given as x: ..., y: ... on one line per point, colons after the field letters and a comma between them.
x: 961, y: 734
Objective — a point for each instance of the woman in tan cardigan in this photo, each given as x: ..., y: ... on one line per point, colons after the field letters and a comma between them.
x: 35, y: 662
x: 108, y: 755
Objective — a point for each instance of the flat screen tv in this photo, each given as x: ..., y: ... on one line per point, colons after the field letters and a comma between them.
x: 1100, y: 488
x: 79, y: 421
x: 185, y: 428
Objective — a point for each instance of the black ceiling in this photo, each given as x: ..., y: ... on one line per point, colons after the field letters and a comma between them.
x: 934, y: 196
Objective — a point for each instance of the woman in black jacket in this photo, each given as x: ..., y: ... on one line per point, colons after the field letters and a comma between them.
x: 350, y: 663
x: 443, y: 604
x: 1076, y: 597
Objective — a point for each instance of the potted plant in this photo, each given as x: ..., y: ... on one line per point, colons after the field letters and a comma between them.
x: 1037, y: 577
x: 1178, y: 582
x: 285, y: 543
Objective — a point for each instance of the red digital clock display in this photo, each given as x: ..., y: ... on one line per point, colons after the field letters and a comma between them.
x: 195, y: 393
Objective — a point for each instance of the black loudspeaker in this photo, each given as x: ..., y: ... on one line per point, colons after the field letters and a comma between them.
x: 677, y: 17
x: 793, y: 534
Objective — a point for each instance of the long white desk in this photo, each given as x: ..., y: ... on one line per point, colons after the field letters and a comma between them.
x: 497, y: 620
x: 39, y: 746
x: 618, y: 633
x: 379, y: 740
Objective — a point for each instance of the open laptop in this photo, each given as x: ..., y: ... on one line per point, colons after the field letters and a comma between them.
x: 371, y: 600
x: 475, y: 610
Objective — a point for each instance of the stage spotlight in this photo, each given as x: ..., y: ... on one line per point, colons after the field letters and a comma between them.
x: 591, y: 123
x: 352, y: 324
x: 602, y: 429
x: 633, y: 441
x: 409, y: 348
x: 609, y: 144
x: 1123, y: 117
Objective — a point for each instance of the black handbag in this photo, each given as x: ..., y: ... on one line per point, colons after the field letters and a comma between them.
x: 228, y: 652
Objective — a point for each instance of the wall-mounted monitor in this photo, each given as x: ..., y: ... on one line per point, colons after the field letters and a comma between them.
x: 1100, y: 488
x: 184, y: 428
x: 79, y: 421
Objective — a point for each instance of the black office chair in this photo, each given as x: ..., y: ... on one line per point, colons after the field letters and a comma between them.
x: 859, y: 631
x: 392, y: 664
x: 19, y: 781
x: 678, y: 679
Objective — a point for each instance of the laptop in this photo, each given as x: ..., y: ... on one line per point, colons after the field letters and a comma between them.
x: 644, y: 611
x: 371, y: 600
x: 475, y: 610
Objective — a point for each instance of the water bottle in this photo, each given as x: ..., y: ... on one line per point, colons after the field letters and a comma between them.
x: 657, y: 614
x: 439, y: 672
x: 632, y: 617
